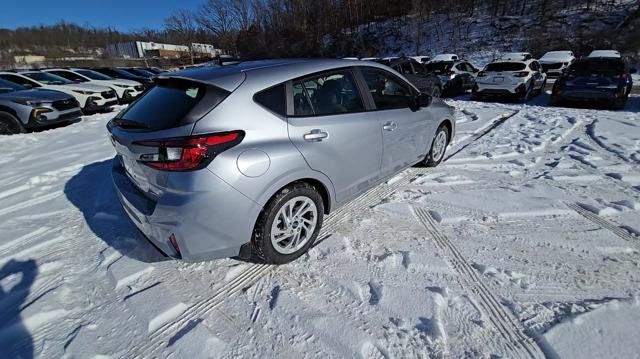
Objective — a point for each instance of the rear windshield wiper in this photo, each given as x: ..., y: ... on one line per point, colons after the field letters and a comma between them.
x: 121, y: 122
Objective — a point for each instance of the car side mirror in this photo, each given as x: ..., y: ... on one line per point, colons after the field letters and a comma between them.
x: 633, y: 71
x: 27, y: 86
x: 422, y: 100
x: 475, y: 71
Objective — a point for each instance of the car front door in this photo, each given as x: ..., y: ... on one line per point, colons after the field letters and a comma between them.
x: 330, y: 126
x: 406, y: 134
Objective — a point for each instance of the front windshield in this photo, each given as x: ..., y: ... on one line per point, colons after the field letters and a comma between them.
x: 141, y: 72
x: 7, y: 86
x: 47, y: 78
x: 94, y: 75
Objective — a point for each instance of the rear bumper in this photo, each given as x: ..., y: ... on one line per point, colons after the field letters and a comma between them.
x: 586, y: 95
x: 208, y: 218
x: 499, y: 91
x: 554, y: 73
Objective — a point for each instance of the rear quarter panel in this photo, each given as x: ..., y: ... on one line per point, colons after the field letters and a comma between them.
x: 266, y: 132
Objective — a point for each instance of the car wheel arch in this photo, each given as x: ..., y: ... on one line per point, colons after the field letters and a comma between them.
x: 323, y: 186
x: 9, y: 111
x: 447, y: 122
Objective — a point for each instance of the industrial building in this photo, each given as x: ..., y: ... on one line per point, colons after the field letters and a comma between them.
x: 142, y: 49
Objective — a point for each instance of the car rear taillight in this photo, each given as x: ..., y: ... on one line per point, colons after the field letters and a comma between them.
x: 521, y: 74
x: 482, y: 74
x: 188, y: 153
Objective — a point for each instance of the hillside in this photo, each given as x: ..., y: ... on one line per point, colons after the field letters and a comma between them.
x: 482, y: 36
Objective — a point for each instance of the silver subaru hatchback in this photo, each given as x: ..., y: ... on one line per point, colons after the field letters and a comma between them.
x: 245, y: 160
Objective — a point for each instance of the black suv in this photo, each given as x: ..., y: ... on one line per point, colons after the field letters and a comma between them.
x: 593, y: 80
x: 416, y: 74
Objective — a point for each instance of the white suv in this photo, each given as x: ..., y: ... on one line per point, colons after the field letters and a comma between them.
x: 127, y: 90
x: 555, y: 62
x: 516, y: 56
x: 91, y: 97
x: 514, y: 79
x: 445, y: 57
x: 605, y: 53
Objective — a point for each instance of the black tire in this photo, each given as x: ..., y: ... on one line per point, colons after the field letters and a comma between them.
x: 618, y: 104
x: 527, y: 94
x: 262, y: 248
x: 436, y: 92
x: 429, y: 160
x: 555, y: 101
x: 9, y: 125
x: 541, y: 89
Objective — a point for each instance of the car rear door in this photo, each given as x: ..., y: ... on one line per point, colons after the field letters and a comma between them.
x: 330, y: 126
x: 406, y: 134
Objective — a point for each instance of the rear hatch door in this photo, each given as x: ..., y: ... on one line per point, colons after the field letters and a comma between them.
x: 596, y: 73
x: 167, y: 111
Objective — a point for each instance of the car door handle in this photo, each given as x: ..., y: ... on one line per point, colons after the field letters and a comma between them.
x: 389, y: 126
x: 315, y: 136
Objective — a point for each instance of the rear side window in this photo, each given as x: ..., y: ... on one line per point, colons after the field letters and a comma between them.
x: 172, y: 103
x: 505, y: 66
x: 273, y: 98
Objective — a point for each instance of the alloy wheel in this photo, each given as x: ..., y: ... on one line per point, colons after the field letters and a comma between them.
x: 439, y: 146
x: 294, y: 225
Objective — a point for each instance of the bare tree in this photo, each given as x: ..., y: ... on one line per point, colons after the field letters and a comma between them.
x: 221, y: 19
x: 184, y: 27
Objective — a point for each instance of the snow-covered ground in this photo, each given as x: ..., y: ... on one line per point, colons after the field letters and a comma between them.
x: 524, y: 243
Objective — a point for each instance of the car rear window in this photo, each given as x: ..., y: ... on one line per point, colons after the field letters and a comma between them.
x: 505, y: 66
x: 439, y: 66
x: 172, y: 103
x: 598, y: 66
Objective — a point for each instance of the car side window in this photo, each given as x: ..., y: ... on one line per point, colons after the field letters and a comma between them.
x: 388, y: 92
x: 273, y: 98
x: 19, y: 80
x: 326, y: 94
x: 406, y: 68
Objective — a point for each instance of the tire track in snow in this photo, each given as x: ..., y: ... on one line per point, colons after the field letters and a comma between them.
x: 254, y: 272
x: 482, y: 132
x: 518, y: 344
x: 603, y: 223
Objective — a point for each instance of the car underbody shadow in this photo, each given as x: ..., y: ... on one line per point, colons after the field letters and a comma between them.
x: 93, y: 193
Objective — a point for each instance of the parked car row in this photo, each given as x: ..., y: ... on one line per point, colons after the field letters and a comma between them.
x: 602, y: 76
x: 30, y: 99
